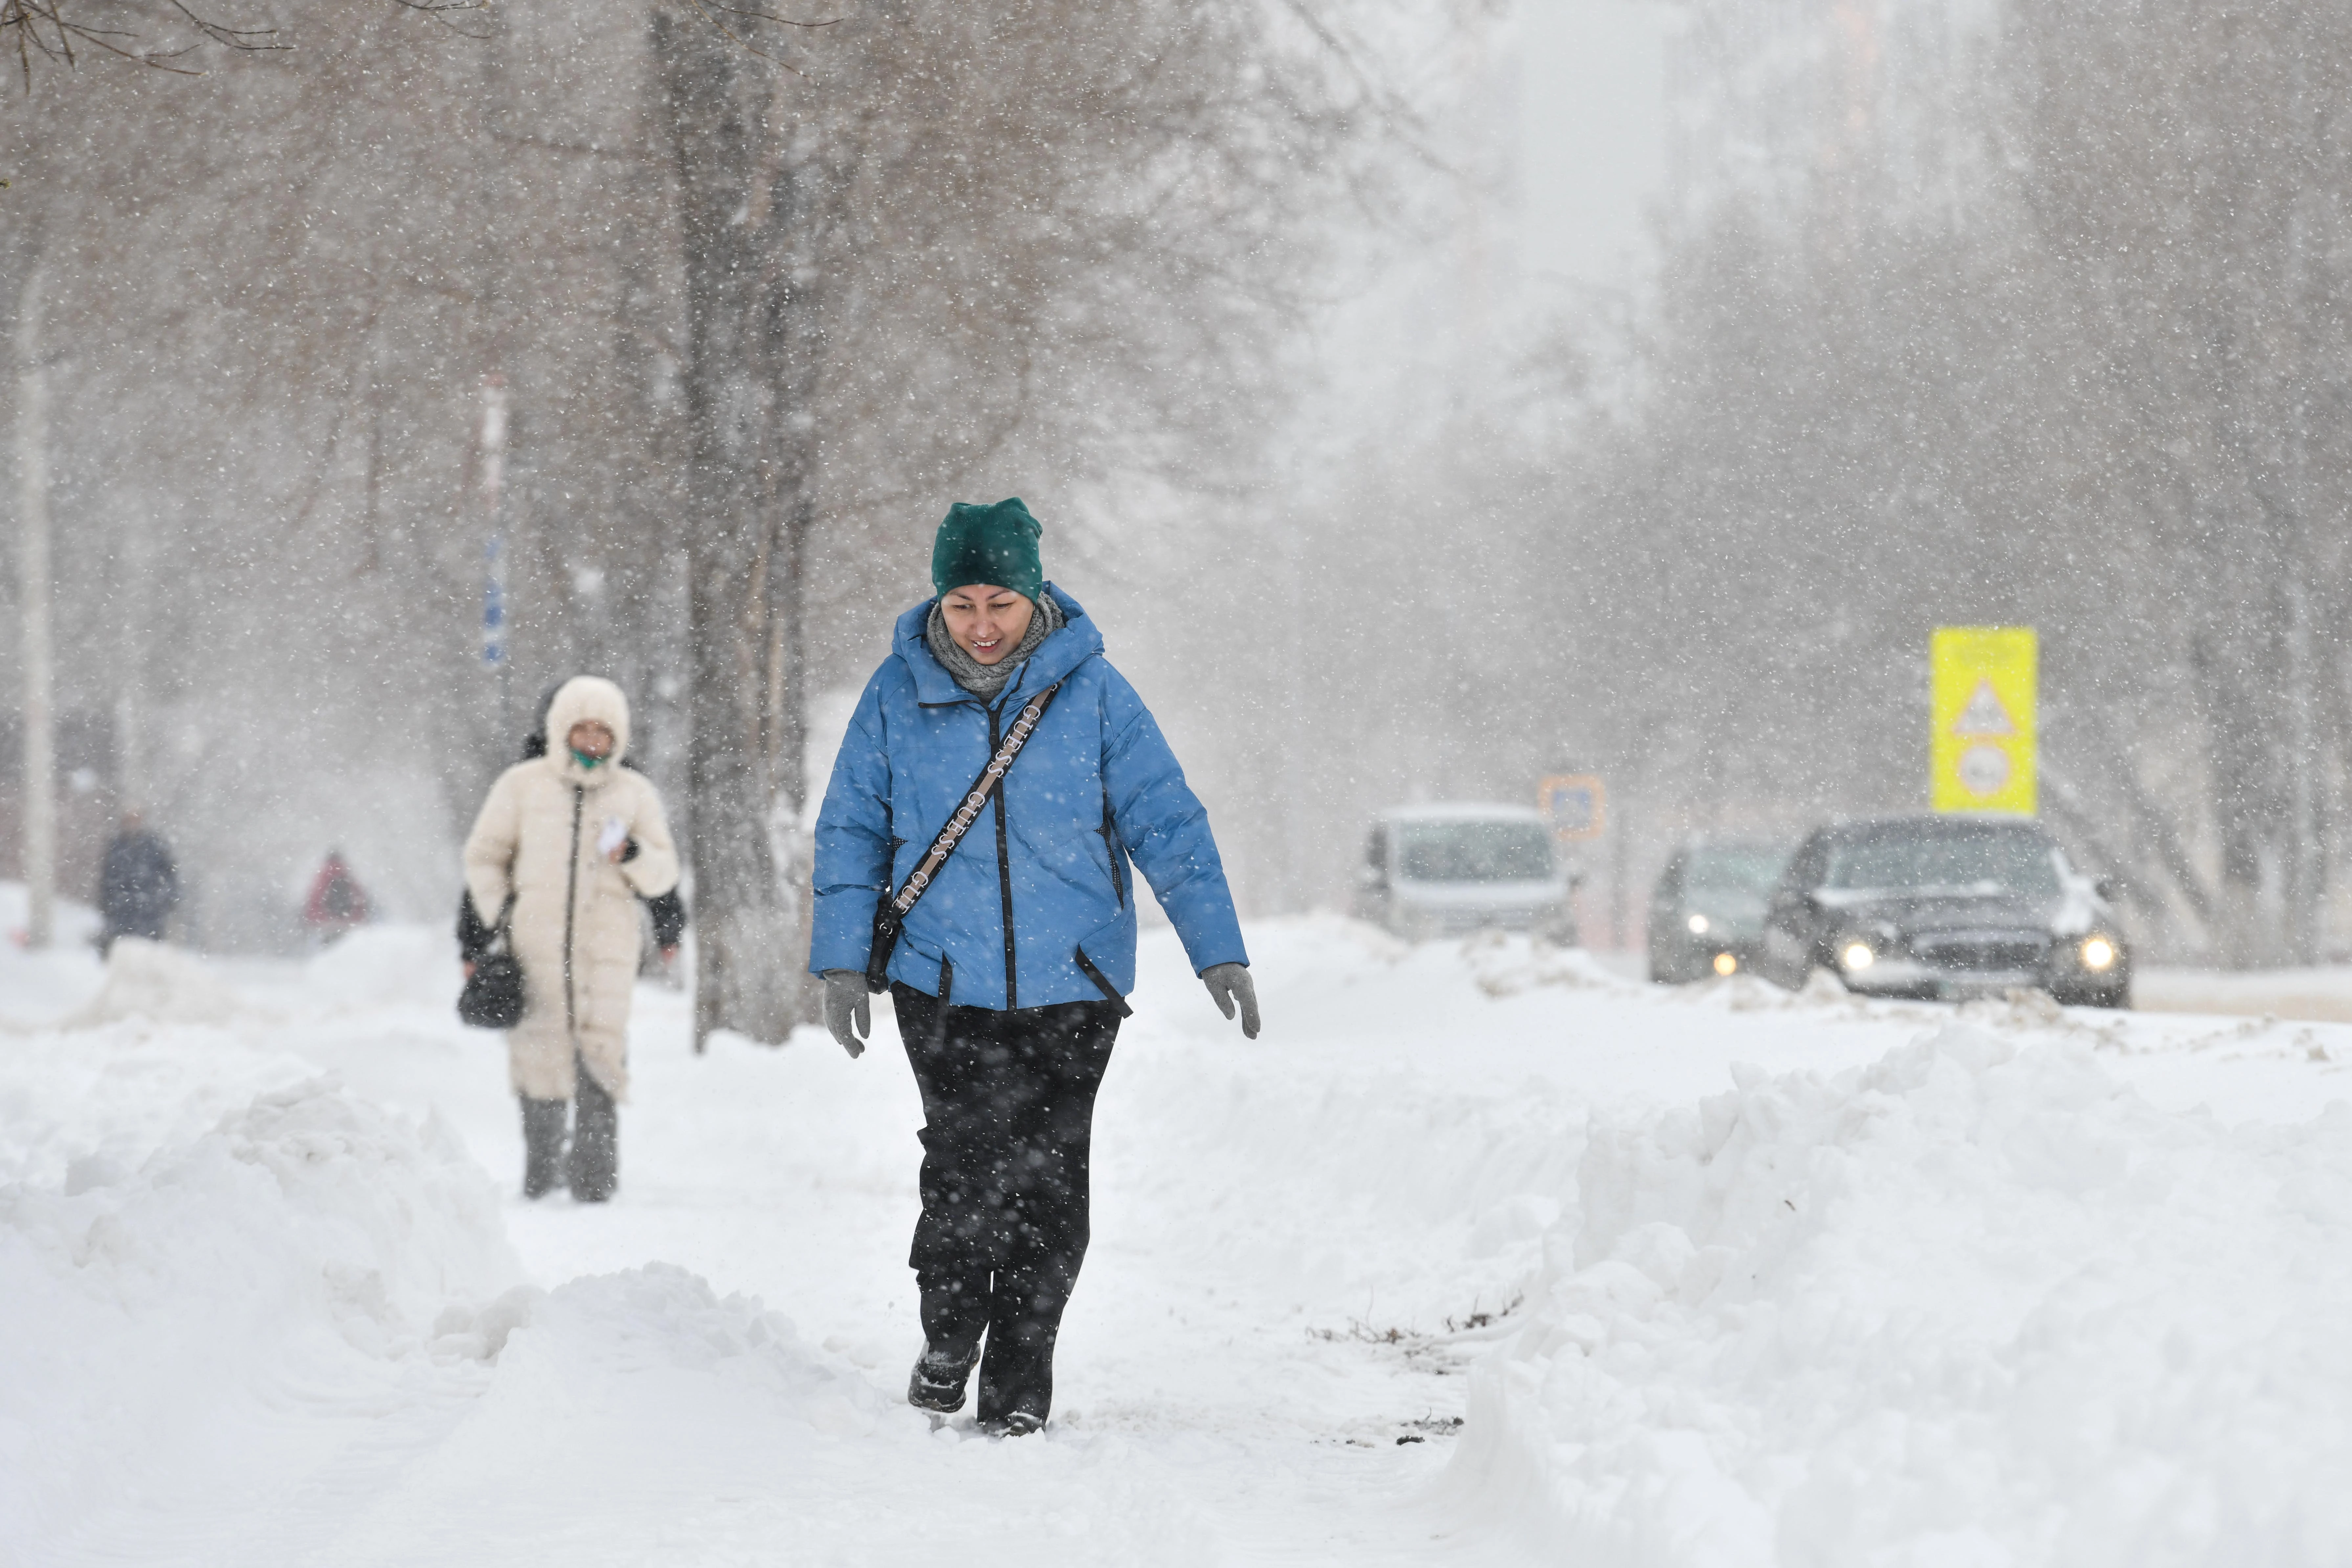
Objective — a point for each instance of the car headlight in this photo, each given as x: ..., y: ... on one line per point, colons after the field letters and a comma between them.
x: 1726, y: 964
x: 1856, y: 955
x: 2098, y: 953
x: 1698, y: 925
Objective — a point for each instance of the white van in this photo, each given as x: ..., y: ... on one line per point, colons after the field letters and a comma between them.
x: 1447, y: 870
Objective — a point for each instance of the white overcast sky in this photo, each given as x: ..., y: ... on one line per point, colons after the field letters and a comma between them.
x: 1591, y: 135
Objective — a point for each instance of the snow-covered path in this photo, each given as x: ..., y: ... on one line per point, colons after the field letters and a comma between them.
x: 377, y: 1354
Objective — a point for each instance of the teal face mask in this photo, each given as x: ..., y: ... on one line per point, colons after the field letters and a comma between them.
x: 587, y: 761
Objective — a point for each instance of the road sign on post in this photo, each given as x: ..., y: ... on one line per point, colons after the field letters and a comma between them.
x: 494, y: 556
x: 1981, y: 741
x: 1576, y: 804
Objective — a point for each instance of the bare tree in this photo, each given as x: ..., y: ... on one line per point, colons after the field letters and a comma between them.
x: 1017, y: 250
x: 2192, y: 184
x: 164, y: 35
x: 739, y: 209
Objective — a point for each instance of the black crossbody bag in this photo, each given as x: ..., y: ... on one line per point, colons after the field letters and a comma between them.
x: 890, y: 910
x: 493, y: 997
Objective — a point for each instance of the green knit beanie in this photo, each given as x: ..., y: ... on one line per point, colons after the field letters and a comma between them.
x: 996, y: 545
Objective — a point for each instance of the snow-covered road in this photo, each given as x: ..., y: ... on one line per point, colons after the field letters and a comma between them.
x: 1911, y: 1288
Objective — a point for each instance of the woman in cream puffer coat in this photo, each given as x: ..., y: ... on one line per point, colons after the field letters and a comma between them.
x: 574, y: 837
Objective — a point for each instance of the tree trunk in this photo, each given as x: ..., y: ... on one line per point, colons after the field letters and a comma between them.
x: 749, y: 909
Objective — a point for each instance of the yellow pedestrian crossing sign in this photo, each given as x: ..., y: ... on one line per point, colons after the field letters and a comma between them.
x: 1982, y: 745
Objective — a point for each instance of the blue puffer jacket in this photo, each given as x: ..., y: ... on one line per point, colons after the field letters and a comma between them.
x: 1095, y: 785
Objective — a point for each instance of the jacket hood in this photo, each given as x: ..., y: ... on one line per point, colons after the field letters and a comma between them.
x: 1078, y: 640
x: 579, y: 699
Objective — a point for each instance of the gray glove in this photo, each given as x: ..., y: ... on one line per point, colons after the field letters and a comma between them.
x: 1229, y: 983
x: 844, y: 1003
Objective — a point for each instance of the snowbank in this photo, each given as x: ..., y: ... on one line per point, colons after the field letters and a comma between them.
x: 310, y: 1255
x: 159, y: 984
x: 252, y: 1317
x: 35, y: 987
x: 1964, y: 1306
x: 74, y: 924
x: 387, y: 966
x: 613, y: 1418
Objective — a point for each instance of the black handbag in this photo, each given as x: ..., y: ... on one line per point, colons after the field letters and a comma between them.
x: 890, y: 910
x: 493, y: 997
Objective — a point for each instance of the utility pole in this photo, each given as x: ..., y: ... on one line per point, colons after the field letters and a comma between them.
x: 40, y: 843
x: 2306, y: 877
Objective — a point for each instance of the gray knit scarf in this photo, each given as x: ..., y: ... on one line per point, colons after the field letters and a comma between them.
x: 985, y: 680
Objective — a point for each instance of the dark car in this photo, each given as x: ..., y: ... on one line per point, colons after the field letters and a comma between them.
x: 1944, y: 907
x: 1706, y: 913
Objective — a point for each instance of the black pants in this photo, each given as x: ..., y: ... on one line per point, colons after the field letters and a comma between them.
x: 1008, y: 1114
x: 594, y: 1166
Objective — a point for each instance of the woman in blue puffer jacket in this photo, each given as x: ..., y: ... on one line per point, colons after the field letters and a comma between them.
x: 1012, y: 973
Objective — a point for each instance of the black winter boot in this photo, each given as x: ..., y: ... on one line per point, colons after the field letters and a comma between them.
x: 955, y: 1315
x: 542, y: 1144
x: 595, y: 1141
x: 1019, y: 1424
x: 939, y: 1382
x: 1016, y: 1379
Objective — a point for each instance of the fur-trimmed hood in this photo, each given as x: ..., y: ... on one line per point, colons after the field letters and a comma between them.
x: 578, y: 700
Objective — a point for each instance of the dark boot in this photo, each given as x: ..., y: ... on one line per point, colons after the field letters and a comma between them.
x: 954, y: 1317
x: 1019, y: 1423
x: 939, y: 1382
x: 595, y: 1141
x: 1016, y: 1379
x: 542, y: 1144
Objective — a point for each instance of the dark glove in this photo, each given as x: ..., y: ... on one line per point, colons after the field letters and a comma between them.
x: 668, y: 912
x: 845, y: 1003
x: 1229, y: 983
x: 474, y: 938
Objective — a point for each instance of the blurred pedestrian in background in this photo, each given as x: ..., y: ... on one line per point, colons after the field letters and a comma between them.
x: 563, y: 847
x: 337, y: 901
x: 138, y: 883
x: 1011, y: 974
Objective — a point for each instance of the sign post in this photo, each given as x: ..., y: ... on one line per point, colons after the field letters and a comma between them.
x: 1576, y: 804
x: 496, y: 652
x: 1982, y: 739
x: 1577, y: 809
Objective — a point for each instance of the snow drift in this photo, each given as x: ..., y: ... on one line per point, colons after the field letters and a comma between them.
x: 254, y: 1316
x: 1965, y: 1306
x: 309, y: 1256
x: 380, y: 966
x: 147, y: 980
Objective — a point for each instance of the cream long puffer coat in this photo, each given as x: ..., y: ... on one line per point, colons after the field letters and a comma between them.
x: 545, y: 836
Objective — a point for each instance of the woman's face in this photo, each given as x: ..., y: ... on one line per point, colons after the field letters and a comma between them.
x: 590, y: 738
x: 986, y: 622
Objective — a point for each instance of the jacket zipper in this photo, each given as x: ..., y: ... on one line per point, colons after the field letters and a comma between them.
x: 571, y: 901
x: 1004, y: 869
x: 1111, y: 847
